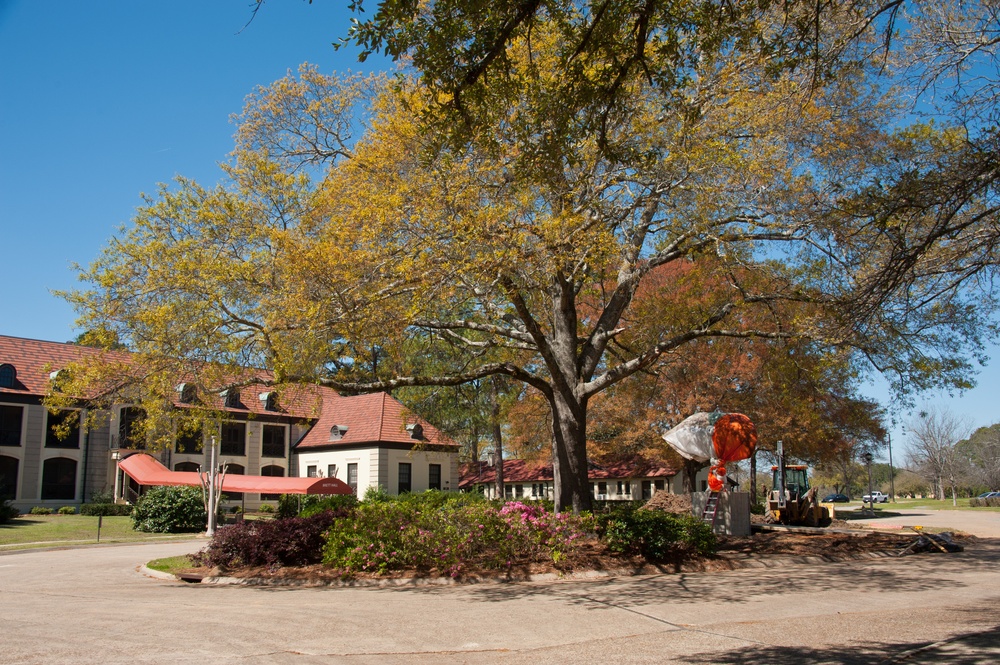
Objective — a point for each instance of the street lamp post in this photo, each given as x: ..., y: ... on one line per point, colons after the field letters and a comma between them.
x: 871, y: 499
x: 892, y: 472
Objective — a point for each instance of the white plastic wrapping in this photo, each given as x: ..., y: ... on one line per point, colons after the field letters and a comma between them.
x: 692, y: 437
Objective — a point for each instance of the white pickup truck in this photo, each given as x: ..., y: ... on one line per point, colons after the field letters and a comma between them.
x: 875, y: 497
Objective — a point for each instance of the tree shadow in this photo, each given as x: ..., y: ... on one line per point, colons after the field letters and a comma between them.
x: 970, y: 648
x: 19, y: 521
x: 914, y: 573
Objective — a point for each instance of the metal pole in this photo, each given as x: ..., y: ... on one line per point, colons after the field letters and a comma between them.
x: 892, y: 472
x: 871, y: 499
x: 782, y: 481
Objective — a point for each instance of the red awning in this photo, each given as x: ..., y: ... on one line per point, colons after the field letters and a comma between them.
x: 147, y: 470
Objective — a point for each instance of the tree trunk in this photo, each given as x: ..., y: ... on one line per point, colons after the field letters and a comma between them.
x: 497, y: 439
x: 569, y: 455
x: 690, y: 478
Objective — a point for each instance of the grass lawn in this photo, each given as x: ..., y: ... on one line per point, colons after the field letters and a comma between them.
x: 915, y: 504
x: 33, y: 531
x: 934, y: 504
x: 172, y: 564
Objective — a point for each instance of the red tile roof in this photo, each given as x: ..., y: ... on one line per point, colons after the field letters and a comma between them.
x: 368, y: 418
x: 522, y: 471
x: 31, y: 357
x: 376, y: 417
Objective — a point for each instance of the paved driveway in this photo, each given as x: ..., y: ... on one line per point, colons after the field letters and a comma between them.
x: 93, y: 606
x: 985, y: 524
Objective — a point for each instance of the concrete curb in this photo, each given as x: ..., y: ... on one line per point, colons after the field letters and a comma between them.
x: 157, y: 574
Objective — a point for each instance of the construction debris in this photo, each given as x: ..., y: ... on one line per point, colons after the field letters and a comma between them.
x: 931, y: 542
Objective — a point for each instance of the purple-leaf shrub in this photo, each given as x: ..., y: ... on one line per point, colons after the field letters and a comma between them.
x: 295, y: 541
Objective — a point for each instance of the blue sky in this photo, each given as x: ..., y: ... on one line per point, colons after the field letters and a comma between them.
x: 101, y: 101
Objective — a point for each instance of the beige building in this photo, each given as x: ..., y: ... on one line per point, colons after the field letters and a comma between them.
x: 366, y: 440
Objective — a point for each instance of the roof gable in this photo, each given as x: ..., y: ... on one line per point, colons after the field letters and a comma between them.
x: 371, y: 418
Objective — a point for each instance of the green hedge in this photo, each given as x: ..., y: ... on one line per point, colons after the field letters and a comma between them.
x: 656, y: 535
x: 169, y: 510
x: 105, y: 509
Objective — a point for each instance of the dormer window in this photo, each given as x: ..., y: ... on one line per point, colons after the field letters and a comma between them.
x: 231, y: 398
x: 185, y: 393
x: 269, y: 400
x: 8, y: 375
x: 337, y: 432
x: 416, y: 431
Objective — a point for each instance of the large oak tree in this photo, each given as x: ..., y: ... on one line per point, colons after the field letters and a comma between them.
x: 500, y: 203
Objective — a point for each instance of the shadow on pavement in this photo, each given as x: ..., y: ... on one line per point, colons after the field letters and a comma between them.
x: 915, y: 573
x: 972, y: 648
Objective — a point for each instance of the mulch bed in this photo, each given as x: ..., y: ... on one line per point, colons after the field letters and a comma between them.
x: 592, y: 556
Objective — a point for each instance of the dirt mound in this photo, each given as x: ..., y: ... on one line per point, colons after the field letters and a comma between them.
x: 670, y: 503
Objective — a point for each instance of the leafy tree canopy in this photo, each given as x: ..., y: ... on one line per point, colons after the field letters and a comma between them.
x: 499, y: 205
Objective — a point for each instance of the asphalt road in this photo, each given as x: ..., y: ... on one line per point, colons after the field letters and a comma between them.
x: 91, y: 605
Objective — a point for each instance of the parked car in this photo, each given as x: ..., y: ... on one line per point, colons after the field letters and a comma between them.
x: 835, y: 498
x: 875, y: 497
x: 988, y: 495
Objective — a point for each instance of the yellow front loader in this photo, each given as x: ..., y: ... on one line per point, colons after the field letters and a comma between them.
x: 792, y: 501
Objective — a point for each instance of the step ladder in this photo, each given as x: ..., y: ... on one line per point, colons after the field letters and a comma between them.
x: 711, y: 508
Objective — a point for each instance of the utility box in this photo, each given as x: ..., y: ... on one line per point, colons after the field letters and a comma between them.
x: 732, y: 517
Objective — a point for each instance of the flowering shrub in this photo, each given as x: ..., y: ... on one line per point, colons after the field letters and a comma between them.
x: 294, y: 541
x: 449, y: 535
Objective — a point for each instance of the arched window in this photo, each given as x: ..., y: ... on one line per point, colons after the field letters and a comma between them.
x: 187, y: 466
x: 231, y: 398
x: 59, y: 479
x: 8, y: 477
x: 272, y: 470
x: 8, y: 375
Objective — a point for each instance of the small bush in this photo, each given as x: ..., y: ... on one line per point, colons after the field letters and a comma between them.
x: 302, y: 505
x: 313, y: 504
x: 41, y: 510
x: 8, y: 512
x: 992, y: 502
x: 377, y: 494
x: 294, y: 541
x: 169, y: 510
x: 655, y: 535
x: 105, y: 509
x: 104, y: 496
x: 236, y: 510
x: 67, y: 510
x: 265, y: 508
